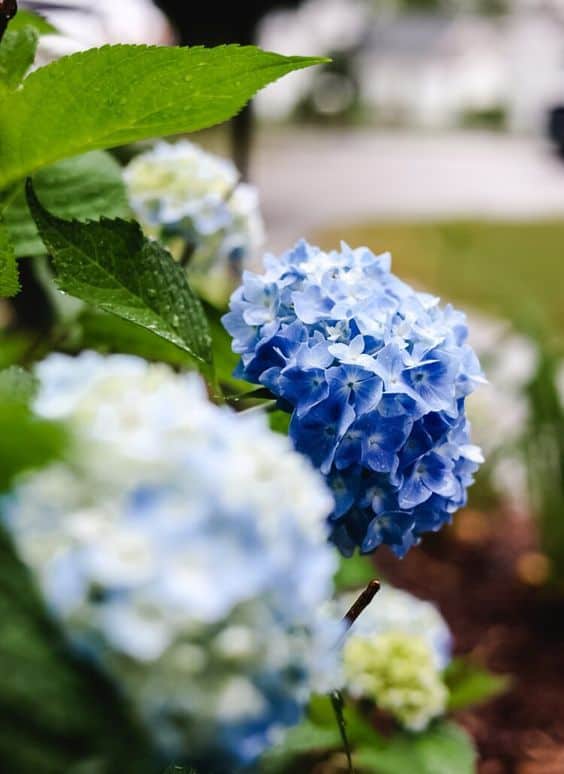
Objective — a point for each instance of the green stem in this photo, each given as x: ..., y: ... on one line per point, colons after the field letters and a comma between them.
x: 338, y: 705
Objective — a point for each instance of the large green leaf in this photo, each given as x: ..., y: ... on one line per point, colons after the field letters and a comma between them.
x: 17, y: 52
x: 9, y: 284
x: 444, y: 748
x: 85, y: 187
x: 117, y: 94
x: 110, y: 264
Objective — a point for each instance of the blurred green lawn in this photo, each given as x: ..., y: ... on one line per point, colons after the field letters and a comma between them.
x: 509, y: 268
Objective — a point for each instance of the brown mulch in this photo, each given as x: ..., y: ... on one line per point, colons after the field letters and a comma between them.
x: 486, y: 576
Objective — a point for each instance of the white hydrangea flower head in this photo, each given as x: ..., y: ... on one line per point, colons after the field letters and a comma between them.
x: 394, y: 654
x: 394, y: 610
x: 185, y: 547
x: 194, y: 200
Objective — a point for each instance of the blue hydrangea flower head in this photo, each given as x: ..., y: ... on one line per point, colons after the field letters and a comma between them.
x: 375, y: 375
x: 170, y: 552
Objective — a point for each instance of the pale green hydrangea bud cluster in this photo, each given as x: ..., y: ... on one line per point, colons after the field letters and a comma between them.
x: 394, y: 656
x: 396, y: 672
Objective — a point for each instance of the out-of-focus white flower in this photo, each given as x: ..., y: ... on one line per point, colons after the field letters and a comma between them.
x: 185, y: 546
x: 499, y: 412
x: 81, y: 24
x: 193, y: 200
x: 394, y: 610
x: 394, y: 654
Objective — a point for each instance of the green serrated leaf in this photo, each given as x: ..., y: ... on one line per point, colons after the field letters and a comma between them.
x: 118, y: 94
x: 470, y: 684
x: 9, y: 283
x: 17, y: 52
x: 85, y: 187
x: 444, y: 748
x: 110, y: 264
x: 28, y: 19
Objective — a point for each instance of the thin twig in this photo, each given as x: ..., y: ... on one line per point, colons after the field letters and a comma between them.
x: 361, y: 603
x: 338, y: 705
x: 356, y: 609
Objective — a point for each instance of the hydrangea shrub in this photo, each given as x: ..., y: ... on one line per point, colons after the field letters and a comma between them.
x: 172, y: 552
x: 375, y: 375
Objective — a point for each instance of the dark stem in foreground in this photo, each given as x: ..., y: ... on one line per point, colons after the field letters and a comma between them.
x: 361, y: 603
x: 8, y: 9
x: 338, y: 705
x: 337, y: 702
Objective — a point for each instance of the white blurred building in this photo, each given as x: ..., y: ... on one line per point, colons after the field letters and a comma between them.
x: 316, y: 28
x: 428, y: 70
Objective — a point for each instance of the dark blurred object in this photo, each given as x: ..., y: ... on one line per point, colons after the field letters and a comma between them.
x: 8, y: 9
x: 334, y: 96
x: 556, y: 128
x: 212, y: 24
x: 33, y: 309
x: 209, y: 24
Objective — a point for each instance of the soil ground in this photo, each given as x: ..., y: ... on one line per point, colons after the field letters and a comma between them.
x: 484, y: 574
